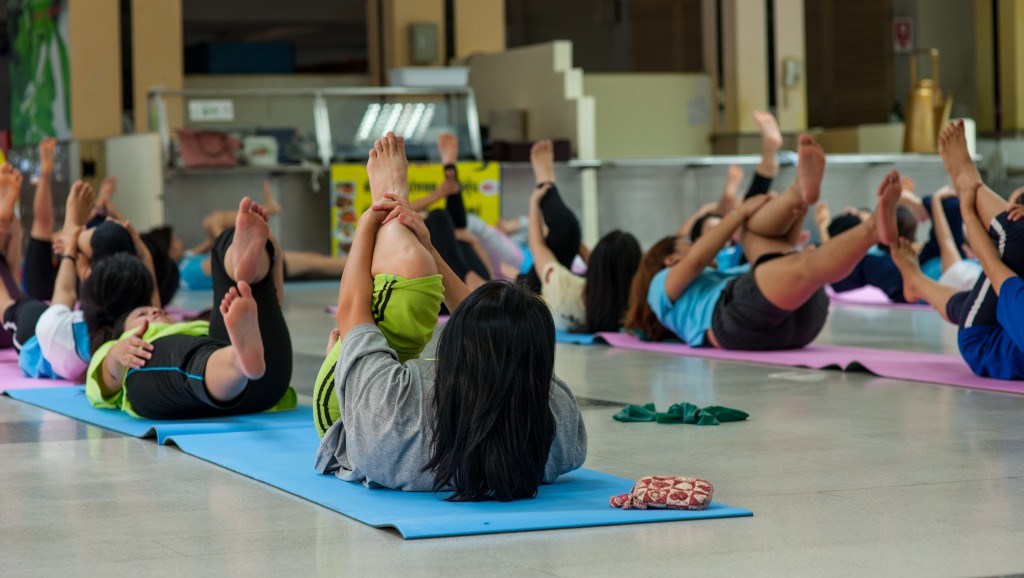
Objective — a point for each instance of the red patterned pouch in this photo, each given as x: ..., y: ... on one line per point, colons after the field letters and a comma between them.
x: 667, y: 492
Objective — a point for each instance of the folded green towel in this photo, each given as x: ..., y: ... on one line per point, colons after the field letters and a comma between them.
x: 681, y: 413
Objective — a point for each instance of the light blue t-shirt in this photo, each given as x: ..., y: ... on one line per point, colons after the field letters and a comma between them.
x: 729, y: 257
x: 932, y: 268
x: 690, y: 316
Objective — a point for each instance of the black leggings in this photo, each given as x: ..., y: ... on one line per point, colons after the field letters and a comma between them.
x: 454, y: 204
x: 758, y: 186
x: 458, y: 255
x: 40, y: 269
x: 21, y: 318
x: 564, y: 234
x: 170, y: 386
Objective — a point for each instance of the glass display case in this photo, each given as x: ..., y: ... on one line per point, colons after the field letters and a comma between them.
x: 321, y: 126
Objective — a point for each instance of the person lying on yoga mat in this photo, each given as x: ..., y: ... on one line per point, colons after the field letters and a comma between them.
x: 164, y: 247
x: 488, y: 420
x: 876, y: 268
x: 53, y: 340
x: 240, y: 362
x: 462, y: 250
x: 588, y: 304
x: 195, y: 268
x: 943, y: 253
x: 779, y: 303
x: 991, y: 315
x: 481, y: 252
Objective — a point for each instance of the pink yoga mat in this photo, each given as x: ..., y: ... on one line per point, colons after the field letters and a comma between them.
x: 12, y: 378
x: 181, y: 313
x: 868, y: 296
x: 909, y: 366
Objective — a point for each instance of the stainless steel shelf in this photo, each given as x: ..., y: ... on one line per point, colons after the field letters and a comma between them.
x: 243, y: 170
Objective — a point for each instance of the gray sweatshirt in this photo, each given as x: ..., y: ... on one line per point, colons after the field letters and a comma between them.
x: 383, y: 436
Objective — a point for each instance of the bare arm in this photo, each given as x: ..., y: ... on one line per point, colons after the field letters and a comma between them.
x: 469, y: 238
x: 822, y: 217
x: 132, y: 352
x: 700, y: 255
x: 355, y: 293
x: 65, y: 288
x: 977, y: 234
x: 948, y: 251
x: 584, y: 252
x: 687, y: 227
x: 147, y: 259
x: 444, y: 190
x: 455, y: 290
x: 913, y: 202
x: 706, y: 248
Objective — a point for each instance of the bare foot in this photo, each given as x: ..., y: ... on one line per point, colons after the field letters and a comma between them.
x: 542, y: 158
x: 733, y: 180
x: 811, y: 169
x: 10, y: 191
x: 79, y: 205
x: 448, y: 146
x: 270, y: 204
x: 332, y: 340
x: 250, y: 241
x: 388, y: 168
x: 241, y: 320
x: 771, y: 137
x: 107, y: 189
x: 959, y: 165
x: 905, y: 258
x: 47, y: 150
x: 908, y: 184
x: 885, y: 212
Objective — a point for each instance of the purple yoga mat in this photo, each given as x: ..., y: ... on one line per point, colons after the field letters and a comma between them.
x: 868, y: 296
x: 11, y: 376
x: 181, y: 313
x: 909, y: 366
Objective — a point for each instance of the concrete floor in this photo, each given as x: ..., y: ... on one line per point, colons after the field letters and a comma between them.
x: 846, y: 475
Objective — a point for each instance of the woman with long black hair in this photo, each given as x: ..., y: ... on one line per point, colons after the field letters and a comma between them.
x: 488, y: 420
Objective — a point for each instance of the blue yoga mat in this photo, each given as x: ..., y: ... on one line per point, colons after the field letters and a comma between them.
x: 71, y: 401
x: 575, y: 338
x: 284, y: 459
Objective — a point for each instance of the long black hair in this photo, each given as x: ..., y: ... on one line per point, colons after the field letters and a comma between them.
x: 610, y: 271
x: 117, y: 285
x: 491, y: 423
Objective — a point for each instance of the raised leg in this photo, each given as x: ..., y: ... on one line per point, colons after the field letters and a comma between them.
x: 230, y: 368
x: 388, y: 168
x: 10, y: 226
x: 916, y: 285
x: 397, y: 251
x: 779, y: 216
x: 771, y: 142
x: 247, y: 259
x: 788, y: 282
x: 963, y: 173
x: 42, y: 204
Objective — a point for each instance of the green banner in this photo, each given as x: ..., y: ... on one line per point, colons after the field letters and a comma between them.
x: 39, y: 69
